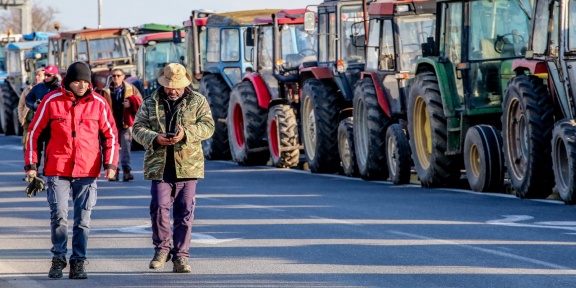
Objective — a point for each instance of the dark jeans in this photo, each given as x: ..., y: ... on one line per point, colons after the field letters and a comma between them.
x: 84, y: 198
x: 181, y: 196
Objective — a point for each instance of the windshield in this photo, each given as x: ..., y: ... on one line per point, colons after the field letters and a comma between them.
x: 414, y: 30
x: 297, y: 45
x: 353, y: 35
x: 104, y: 49
x: 498, y: 29
x: 160, y: 55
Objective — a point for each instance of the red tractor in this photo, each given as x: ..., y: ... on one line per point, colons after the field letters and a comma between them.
x: 262, y: 114
x: 328, y: 85
x: 397, y: 29
x: 102, y: 49
x: 195, y: 41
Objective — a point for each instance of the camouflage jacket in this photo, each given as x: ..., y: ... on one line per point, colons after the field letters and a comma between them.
x: 196, y: 119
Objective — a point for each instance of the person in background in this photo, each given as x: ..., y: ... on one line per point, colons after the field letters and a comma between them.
x: 50, y: 83
x: 24, y: 113
x: 170, y: 125
x: 82, y: 137
x: 118, y: 97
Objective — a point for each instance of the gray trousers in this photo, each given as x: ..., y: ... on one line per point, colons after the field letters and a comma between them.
x: 125, y: 136
x: 83, y: 192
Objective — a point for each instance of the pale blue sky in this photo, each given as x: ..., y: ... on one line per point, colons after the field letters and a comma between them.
x: 75, y: 14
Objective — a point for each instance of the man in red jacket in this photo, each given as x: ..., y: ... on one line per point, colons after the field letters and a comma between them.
x: 81, y: 133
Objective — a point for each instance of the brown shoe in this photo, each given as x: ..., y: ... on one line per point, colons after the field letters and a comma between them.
x: 127, y: 176
x: 181, y: 265
x: 159, y: 259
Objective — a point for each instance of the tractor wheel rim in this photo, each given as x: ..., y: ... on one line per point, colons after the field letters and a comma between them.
x: 363, y: 134
x: 274, y: 138
x: 517, y: 138
x: 309, y: 128
x: 474, y: 160
x: 391, y: 155
x: 238, y: 125
x: 562, y: 165
x: 345, y: 150
x: 422, y: 133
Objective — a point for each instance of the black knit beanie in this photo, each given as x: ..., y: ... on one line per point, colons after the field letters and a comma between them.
x: 77, y: 71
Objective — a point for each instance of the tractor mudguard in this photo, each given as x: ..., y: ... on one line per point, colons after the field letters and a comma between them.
x: 380, y: 93
x: 446, y: 81
x: 260, y: 88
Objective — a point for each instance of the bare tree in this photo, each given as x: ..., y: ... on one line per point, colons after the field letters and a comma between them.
x: 43, y: 19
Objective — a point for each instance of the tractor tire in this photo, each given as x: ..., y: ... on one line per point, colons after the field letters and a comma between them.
x: 9, y: 104
x: 370, y: 124
x: 247, y: 127
x: 217, y: 92
x: 398, y: 154
x: 346, y: 147
x: 427, y: 127
x: 527, y: 125
x: 564, y: 159
x: 320, y: 107
x: 283, y: 136
x: 18, y: 129
x: 483, y: 159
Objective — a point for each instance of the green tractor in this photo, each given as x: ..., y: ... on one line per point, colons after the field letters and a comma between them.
x: 455, y: 103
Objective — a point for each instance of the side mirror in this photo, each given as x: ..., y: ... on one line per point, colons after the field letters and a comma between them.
x: 309, y: 21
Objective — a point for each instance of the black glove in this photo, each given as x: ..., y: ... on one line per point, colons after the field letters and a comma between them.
x: 36, y: 185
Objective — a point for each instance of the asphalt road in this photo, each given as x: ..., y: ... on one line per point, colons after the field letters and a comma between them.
x: 264, y: 227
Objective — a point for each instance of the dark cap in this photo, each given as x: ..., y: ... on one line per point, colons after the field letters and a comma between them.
x: 77, y: 71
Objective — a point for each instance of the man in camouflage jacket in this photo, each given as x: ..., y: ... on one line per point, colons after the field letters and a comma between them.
x: 171, y: 125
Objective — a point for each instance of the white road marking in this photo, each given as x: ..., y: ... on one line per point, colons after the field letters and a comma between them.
x: 510, y: 220
x: 489, y: 251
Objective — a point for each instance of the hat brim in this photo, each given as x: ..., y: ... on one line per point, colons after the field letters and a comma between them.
x: 182, y: 83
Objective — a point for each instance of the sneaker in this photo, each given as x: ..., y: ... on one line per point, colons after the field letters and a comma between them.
x: 159, y: 259
x: 181, y: 265
x: 57, y: 265
x: 77, y: 270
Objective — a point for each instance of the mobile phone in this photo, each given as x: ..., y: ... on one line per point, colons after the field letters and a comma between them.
x: 170, y: 135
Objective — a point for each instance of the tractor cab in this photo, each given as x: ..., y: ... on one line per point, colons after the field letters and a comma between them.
x: 153, y: 53
x: 35, y: 59
x: 16, y: 67
x: 391, y: 54
x: 195, y: 41
x: 282, y: 46
x: 102, y: 49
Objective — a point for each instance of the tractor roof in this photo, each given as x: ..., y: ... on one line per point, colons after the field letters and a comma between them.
x: 392, y: 7
x: 38, y: 36
x: 153, y: 28
x: 28, y: 45
x: 41, y: 48
x: 238, y: 18
x: 291, y: 16
x: 158, y: 37
x: 91, y: 33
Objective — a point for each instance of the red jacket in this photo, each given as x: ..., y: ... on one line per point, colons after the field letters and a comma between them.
x: 130, y: 112
x: 78, y: 132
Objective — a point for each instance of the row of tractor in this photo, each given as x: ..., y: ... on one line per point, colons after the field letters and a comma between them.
x: 380, y: 89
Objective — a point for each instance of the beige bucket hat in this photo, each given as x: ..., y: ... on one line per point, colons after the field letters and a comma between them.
x: 174, y: 76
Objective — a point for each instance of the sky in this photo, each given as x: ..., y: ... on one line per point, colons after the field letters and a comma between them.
x: 76, y: 14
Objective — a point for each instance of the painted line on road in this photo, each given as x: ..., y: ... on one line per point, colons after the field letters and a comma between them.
x: 335, y: 220
x: 489, y: 251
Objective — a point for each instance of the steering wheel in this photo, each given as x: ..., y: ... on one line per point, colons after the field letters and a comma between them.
x: 307, y: 52
x: 501, y: 41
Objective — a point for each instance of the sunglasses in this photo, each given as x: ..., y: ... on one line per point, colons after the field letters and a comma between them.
x: 117, y: 75
x: 48, y: 75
